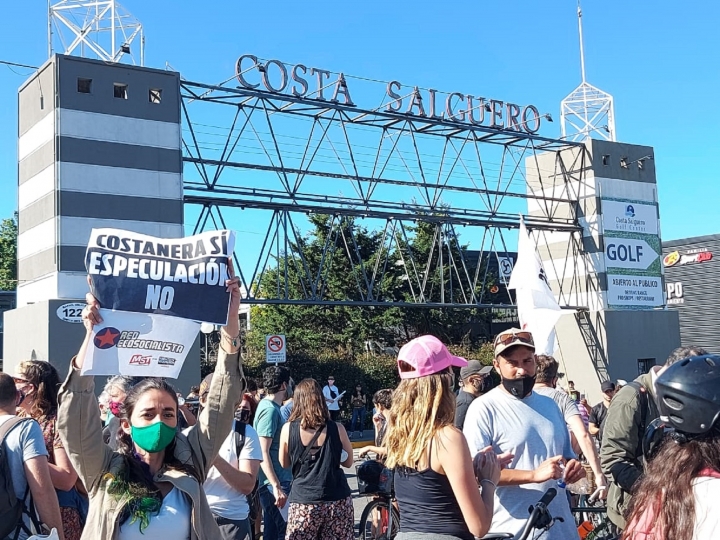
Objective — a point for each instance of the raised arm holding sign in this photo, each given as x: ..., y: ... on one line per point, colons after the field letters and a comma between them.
x: 156, y: 466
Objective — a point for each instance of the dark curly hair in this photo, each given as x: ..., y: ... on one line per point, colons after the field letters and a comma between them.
x: 673, y: 508
x: 274, y: 377
x: 44, y: 377
x: 383, y: 397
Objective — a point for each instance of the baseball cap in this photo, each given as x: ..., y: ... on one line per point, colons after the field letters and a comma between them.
x: 426, y: 355
x: 607, y: 386
x: 511, y: 338
x: 474, y: 367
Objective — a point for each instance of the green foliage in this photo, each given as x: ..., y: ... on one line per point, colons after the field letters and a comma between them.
x: 313, y: 329
x: 8, y: 253
x: 331, y: 339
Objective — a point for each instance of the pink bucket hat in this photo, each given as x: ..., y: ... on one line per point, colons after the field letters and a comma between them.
x: 427, y: 355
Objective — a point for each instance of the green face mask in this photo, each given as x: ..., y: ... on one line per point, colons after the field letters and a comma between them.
x: 153, y: 438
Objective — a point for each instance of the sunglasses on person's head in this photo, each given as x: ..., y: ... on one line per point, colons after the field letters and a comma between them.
x: 18, y: 380
x: 517, y: 337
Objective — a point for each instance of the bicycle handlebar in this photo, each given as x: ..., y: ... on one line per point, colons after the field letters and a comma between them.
x: 539, y: 515
x: 546, y: 498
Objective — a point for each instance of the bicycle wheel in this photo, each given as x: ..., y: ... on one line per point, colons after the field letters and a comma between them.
x: 380, y: 520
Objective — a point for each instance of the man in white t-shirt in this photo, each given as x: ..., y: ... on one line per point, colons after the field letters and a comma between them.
x: 233, y: 477
x: 27, y: 462
x: 332, y: 398
x: 513, y: 419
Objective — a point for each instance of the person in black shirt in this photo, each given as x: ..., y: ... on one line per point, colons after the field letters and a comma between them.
x: 475, y: 382
x: 314, y: 447
x: 599, y: 411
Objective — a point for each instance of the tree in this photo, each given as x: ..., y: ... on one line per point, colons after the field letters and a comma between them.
x: 8, y: 253
x: 341, y: 331
x: 312, y: 329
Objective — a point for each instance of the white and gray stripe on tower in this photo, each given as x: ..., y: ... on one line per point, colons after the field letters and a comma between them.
x: 99, y: 145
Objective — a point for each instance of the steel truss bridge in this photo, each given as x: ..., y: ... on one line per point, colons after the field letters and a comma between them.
x: 266, y: 161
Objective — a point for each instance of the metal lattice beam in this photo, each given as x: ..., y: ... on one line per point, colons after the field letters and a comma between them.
x: 285, y: 158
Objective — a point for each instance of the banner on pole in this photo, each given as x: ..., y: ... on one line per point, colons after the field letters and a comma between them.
x: 180, y: 277
x: 135, y: 344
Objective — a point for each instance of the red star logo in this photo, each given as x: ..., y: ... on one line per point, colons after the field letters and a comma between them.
x: 106, y: 338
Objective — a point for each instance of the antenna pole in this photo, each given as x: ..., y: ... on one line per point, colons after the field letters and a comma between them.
x: 112, y: 30
x: 582, y: 49
x: 50, y: 47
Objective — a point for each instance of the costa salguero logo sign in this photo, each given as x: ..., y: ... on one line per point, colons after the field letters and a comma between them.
x: 314, y: 83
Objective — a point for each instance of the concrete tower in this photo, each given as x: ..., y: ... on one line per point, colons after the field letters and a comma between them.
x: 99, y: 145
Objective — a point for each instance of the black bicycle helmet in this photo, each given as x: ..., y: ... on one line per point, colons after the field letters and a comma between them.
x: 688, y: 394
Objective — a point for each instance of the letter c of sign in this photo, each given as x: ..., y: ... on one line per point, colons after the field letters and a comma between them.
x: 239, y: 70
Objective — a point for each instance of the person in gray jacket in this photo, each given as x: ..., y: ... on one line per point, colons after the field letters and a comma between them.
x: 621, y: 454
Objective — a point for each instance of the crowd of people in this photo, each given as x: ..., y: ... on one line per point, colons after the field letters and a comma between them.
x: 235, y: 459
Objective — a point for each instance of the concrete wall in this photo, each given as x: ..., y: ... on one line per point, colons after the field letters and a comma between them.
x: 606, y: 345
x: 36, y: 331
x: 88, y: 160
x: 640, y: 335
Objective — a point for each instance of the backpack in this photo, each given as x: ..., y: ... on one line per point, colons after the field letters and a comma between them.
x: 11, y: 508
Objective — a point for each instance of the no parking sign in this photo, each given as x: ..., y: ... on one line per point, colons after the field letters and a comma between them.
x: 275, y: 348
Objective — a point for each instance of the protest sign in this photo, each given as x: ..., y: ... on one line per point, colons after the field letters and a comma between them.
x: 180, y: 277
x: 139, y: 345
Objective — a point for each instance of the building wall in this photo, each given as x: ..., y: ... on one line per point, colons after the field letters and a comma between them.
x: 692, y: 288
x: 607, y: 339
x: 613, y: 344
x: 92, y: 160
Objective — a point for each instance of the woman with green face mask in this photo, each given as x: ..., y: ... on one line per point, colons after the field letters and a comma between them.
x: 151, y: 486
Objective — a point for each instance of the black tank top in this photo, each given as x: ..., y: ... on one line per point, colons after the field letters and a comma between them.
x: 427, y: 503
x: 319, y: 478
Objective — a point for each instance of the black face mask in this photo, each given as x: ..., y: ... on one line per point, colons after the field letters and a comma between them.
x: 520, y: 388
x: 242, y: 415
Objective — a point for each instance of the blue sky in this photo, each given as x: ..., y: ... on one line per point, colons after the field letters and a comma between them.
x: 658, y: 59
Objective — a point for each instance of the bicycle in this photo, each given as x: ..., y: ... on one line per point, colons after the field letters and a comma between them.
x: 380, y: 519
x: 591, y: 518
x: 540, y: 519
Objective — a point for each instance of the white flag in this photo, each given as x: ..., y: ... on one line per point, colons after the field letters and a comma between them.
x: 538, y: 310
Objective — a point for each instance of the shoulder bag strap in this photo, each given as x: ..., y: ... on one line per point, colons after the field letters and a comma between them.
x: 239, y: 432
x: 306, y: 452
x: 9, y: 424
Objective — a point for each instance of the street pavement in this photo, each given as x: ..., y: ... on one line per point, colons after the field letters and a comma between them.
x: 359, y: 501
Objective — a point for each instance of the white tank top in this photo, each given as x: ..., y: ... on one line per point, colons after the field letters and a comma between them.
x: 173, y: 521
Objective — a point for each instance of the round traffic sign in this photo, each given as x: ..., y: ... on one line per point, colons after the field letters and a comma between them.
x: 275, y: 343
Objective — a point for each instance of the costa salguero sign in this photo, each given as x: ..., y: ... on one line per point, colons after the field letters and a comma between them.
x: 301, y: 81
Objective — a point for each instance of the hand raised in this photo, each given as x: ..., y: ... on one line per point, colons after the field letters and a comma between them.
x: 91, y: 312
